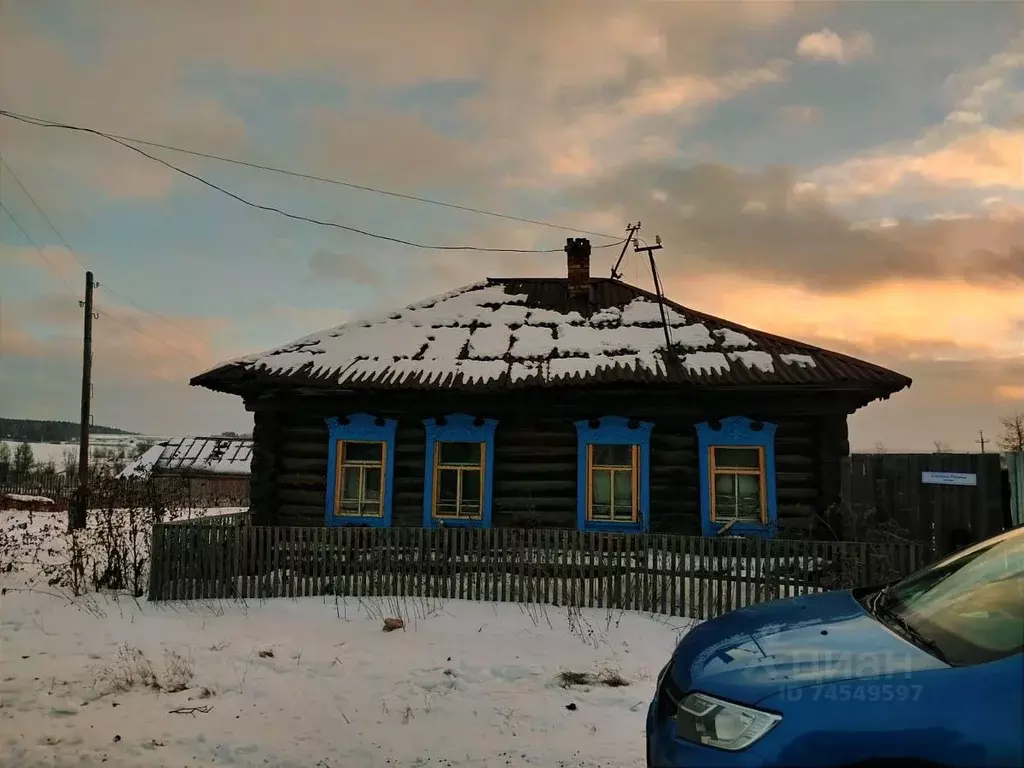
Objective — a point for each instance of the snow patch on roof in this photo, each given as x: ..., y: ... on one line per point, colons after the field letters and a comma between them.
x: 143, y: 465
x: 803, y: 361
x: 194, y: 455
x: 706, y: 362
x: 731, y: 338
x: 754, y: 358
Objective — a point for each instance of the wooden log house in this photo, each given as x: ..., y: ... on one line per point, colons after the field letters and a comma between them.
x: 582, y: 403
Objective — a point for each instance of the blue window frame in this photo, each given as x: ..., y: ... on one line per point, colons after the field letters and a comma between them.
x: 737, y: 477
x: 458, y: 485
x: 613, y: 491
x: 360, y: 471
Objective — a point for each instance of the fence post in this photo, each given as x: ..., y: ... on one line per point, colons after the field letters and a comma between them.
x: 840, y: 522
x: 156, y: 547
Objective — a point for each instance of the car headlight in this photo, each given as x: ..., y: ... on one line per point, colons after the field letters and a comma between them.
x: 722, y: 724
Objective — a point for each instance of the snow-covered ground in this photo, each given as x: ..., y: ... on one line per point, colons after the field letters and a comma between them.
x: 44, y: 453
x: 315, y: 683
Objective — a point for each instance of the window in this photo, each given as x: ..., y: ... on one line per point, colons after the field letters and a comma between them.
x: 361, y: 459
x: 737, y: 470
x: 459, y: 471
x: 613, y: 492
x: 361, y: 472
x: 738, y: 483
x: 613, y: 479
x: 459, y: 474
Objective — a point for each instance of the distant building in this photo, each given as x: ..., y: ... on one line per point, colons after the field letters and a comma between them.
x: 199, y: 468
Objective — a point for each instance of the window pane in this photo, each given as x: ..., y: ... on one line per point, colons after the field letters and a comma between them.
x: 601, y: 487
x: 461, y: 453
x: 738, y: 458
x: 470, y: 509
x: 613, y: 456
x: 370, y: 508
x: 349, y: 486
x: 471, y: 488
x: 748, y: 491
x: 725, y: 496
x: 601, y: 494
x: 446, y: 509
x: 737, y: 497
x: 447, y: 487
x: 356, y: 451
x: 371, y: 483
x: 623, y: 486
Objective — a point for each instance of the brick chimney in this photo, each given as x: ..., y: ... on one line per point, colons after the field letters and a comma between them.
x: 577, y: 250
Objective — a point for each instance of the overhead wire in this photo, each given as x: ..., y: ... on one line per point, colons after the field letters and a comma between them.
x: 129, y: 143
x: 77, y: 258
x: 322, y: 179
x: 39, y: 251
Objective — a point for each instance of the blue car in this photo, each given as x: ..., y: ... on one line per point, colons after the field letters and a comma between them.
x: 925, y: 671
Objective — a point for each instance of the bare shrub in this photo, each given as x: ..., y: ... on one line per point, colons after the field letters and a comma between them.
x: 178, y: 672
x: 132, y: 669
x: 111, y: 554
x: 568, y: 678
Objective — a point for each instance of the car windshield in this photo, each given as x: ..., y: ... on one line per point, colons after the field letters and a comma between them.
x: 966, y: 609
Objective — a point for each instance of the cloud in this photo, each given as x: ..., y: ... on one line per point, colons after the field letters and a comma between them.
x: 141, y: 365
x: 768, y: 225
x: 388, y: 148
x: 978, y: 145
x: 986, y: 158
x: 562, y: 89
x: 565, y: 135
x: 826, y: 45
x: 131, y: 342
x: 56, y: 261
x: 1010, y: 392
x: 923, y: 318
x: 950, y: 401
x: 798, y: 114
x: 329, y: 265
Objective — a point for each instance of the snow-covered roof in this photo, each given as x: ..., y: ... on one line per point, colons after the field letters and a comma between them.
x: 194, y: 456
x: 503, y: 333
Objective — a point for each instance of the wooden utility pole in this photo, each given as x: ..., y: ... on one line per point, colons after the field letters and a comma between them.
x: 631, y: 230
x: 77, y: 512
x: 981, y: 439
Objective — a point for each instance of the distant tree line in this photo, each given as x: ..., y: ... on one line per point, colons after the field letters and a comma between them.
x: 42, y: 431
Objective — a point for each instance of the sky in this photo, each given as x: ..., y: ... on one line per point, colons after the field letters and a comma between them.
x: 847, y: 174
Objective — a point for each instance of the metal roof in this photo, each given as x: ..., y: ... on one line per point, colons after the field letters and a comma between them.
x: 513, y: 333
x: 194, y: 456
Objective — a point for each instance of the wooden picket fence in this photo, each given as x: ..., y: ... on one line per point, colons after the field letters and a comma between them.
x: 673, y: 575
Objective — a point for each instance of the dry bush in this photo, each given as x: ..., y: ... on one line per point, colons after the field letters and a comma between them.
x: 133, y: 669
x: 111, y: 554
x: 567, y: 678
x: 130, y: 669
x: 605, y: 675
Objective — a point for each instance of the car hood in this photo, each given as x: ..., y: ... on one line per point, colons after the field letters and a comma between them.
x: 755, y: 652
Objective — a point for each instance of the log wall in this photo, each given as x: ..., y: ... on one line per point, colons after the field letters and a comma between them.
x: 536, y: 449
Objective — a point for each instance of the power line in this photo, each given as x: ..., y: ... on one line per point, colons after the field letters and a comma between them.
x: 71, y: 250
x: 125, y: 142
x: 322, y: 179
x: 73, y: 295
x: 133, y: 329
x: 38, y: 250
x: 24, y: 189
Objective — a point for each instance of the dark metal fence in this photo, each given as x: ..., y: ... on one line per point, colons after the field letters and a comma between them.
x: 940, y: 500
x: 675, y: 575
